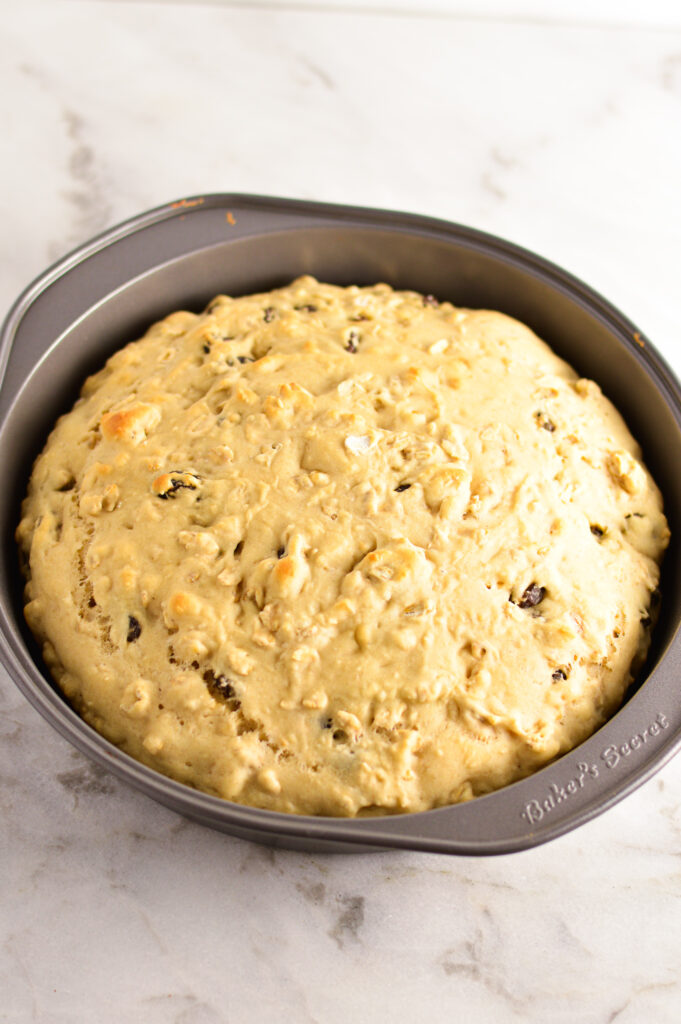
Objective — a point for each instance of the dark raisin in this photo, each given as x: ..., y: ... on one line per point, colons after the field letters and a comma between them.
x: 402, y: 487
x: 206, y: 348
x: 352, y: 342
x: 597, y: 531
x: 221, y: 688
x: 544, y: 421
x: 134, y: 629
x: 281, y: 552
x: 309, y: 308
x: 532, y: 595
x: 92, y: 603
x: 430, y: 300
x: 558, y: 675
x: 268, y: 314
x: 224, y: 687
x: 176, y: 484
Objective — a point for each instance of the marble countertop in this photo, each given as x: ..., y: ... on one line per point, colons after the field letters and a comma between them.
x: 563, y: 137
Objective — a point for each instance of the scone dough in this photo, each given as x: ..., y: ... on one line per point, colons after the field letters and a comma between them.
x: 342, y: 551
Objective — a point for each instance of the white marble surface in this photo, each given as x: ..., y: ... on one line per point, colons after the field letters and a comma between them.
x: 566, y: 139
x: 613, y: 13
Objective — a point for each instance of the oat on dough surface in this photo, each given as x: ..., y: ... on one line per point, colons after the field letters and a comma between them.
x: 341, y: 551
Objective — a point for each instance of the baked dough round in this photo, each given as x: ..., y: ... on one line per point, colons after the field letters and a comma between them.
x: 341, y: 551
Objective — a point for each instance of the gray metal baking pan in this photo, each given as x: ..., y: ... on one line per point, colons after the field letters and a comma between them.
x: 180, y: 255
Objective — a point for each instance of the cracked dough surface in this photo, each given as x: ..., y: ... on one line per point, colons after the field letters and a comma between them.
x: 341, y: 551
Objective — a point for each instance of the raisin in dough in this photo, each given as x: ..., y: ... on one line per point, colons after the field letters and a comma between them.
x: 341, y: 551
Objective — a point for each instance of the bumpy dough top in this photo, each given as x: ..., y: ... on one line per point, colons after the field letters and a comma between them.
x: 342, y: 551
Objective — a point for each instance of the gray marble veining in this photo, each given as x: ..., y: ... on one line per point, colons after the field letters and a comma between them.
x: 565, y: 140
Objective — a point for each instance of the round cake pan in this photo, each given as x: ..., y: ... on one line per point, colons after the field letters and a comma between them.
x: 182, y: 254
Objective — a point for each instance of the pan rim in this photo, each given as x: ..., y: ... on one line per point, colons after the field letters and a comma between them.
x: 366, y: 831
